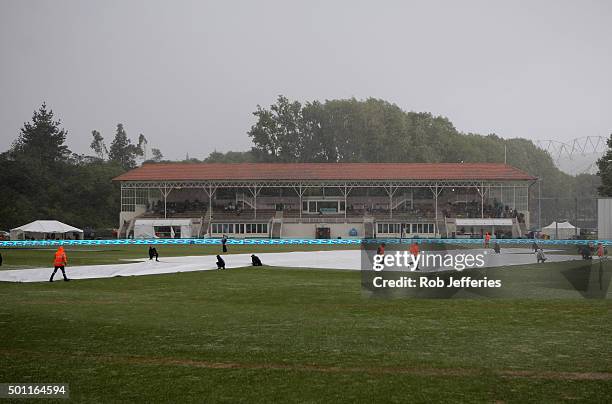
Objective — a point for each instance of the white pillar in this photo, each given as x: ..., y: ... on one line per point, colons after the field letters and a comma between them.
x: 482, y: 205
x: 254, y: 192
x: 165, y: 203
x: 390, y: 193
x: 345, y: 207
x: 436, y: 207
x: 209, y: 204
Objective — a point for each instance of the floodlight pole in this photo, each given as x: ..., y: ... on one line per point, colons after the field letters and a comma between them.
x: 540, y: 203
x: 576, y: 221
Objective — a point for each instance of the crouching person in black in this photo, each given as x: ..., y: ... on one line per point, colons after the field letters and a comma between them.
x: 220, y: 262
x: 586, y: 253
x: 255, y: 260
x: 153, y: 254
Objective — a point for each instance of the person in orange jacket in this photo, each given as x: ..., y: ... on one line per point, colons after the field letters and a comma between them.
x: 487, y: 240
x: 60, y: 262
x: 415, y: 251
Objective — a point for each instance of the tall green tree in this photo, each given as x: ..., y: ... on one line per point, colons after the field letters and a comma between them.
x: 142, y: 145
x: 122, y: 152
x: 604, y: 164
x: 157, y: 155
x: 41, y: 140
x: 98, y: 145
x: 277, y: 133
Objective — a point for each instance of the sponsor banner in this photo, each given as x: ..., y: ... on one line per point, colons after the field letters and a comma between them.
x: 268, y: 241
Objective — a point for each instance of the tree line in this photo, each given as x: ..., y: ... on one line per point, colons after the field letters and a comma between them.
x: 40, y: 178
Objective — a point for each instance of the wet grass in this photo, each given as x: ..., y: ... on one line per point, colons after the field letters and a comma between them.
x: 263, y: 335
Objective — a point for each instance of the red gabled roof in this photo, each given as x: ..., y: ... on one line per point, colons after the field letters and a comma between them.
x: 323, y: 171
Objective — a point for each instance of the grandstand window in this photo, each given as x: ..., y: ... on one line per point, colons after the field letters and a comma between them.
x: 130, y: 198
x: 239, y: 228
x: 390, y: 228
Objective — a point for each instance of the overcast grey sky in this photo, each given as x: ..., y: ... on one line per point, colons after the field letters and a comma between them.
x: 189, y: 74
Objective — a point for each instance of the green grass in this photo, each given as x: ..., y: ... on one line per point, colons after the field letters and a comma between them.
x: 262, y: 335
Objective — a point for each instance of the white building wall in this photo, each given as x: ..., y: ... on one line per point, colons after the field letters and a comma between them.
x: 604, y: 218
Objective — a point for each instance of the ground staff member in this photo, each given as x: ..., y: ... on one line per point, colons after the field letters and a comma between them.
x: 59, y: 262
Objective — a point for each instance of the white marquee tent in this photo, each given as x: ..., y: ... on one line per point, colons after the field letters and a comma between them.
x: 45, y: 230
x: 561, y: 230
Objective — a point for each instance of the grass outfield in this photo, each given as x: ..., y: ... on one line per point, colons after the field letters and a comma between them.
x: 298, y: 335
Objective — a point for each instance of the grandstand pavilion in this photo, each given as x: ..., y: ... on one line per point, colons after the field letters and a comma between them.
x: 324, y: 200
